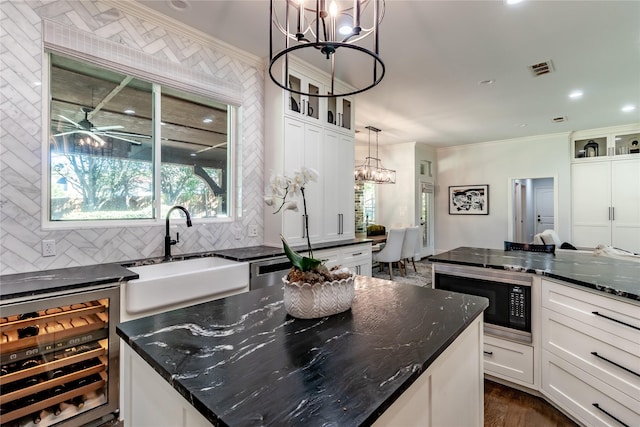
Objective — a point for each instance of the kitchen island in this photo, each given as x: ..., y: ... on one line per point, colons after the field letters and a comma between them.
x: 401, y: 354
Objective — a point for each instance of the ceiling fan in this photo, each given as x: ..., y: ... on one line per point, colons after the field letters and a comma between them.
x: 98, y: 133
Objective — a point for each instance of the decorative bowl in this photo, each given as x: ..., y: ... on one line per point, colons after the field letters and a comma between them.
x: 306, y: 301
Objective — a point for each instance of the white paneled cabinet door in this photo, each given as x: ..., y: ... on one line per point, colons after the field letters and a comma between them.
x: 339, y: 217
x: 606, y: 204
x: 303, y: 147
x: 625, y: 202
x: 591, y: 203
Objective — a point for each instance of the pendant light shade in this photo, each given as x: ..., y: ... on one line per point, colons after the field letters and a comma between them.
x: 372, y: 170
x: 338, y: 31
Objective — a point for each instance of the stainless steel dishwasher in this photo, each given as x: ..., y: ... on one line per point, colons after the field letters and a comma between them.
x: 268, y: 272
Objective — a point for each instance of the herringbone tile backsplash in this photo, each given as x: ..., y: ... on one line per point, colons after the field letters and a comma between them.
x: 21, y: 139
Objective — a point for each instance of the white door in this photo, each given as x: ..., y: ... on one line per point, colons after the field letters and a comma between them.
x: 625, y: 205
x: 426, y: 219
x: 303, y: 147
x: 520, y: 211
x: 544, y: 209
x: 590, y: 204
x: 339, y: 218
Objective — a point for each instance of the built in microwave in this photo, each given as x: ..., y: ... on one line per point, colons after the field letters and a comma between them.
x: 509, y: 295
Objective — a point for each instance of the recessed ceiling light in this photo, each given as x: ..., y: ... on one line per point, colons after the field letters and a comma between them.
x: 207, y: 120
x: 628, y: 108
x: 193, y: 154
x: 576, y: 94
x: 179, y: 4
x: 37, y: 83
x: 129, y: 111
x: 486, y: 82
x: 511, y: 2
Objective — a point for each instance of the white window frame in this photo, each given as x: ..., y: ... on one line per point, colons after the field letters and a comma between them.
x: 86, y: 47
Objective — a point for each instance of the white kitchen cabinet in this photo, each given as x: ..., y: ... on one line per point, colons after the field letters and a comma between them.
x: 606, y: 143
x: 339, y: 209
x: 305, y: 138
x: 303, y: 147
x: 449, y: 392
x: 340, y: 113
x: 591, y: 355
x: 303, y: 107
x: 508, y: 360
x: 356, y: 258
x: 606, y: 203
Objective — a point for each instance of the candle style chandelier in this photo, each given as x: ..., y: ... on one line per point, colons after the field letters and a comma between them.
x: 372, y: 170
x: 332, y: 28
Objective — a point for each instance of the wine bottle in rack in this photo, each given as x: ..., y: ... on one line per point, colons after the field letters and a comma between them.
x: 55, y: 409
x: 28, y: 331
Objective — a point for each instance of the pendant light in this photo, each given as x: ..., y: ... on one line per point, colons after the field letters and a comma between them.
x: 372, y: 170
x: 337, y: 30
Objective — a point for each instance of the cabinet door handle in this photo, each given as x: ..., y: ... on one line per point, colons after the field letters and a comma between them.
x: 613, y: 213
x: 615, y: 320
x: 609, y: 213
x: 356, y: 254
x: 609, y: 414
x: 488, y: 353
x: 595, y: 353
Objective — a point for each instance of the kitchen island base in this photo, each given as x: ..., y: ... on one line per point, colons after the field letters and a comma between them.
x: 453, y: 381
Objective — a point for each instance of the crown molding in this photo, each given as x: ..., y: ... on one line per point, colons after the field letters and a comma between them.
x: 145, y: 13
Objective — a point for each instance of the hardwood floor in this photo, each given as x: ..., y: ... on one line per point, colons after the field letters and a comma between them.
x: 507, y: 407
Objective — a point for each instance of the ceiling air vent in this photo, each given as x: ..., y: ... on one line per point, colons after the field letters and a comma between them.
x: 541, y: 68
x: 559, y: 119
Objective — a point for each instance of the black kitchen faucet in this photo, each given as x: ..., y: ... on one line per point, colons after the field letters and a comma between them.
x: 168, y: 241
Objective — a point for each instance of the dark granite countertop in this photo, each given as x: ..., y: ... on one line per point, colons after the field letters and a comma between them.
x: 606, y: 274
x: 62, y: 279
x: 243, y: 361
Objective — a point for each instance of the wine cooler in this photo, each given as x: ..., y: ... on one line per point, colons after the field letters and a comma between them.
x: 59, y: 359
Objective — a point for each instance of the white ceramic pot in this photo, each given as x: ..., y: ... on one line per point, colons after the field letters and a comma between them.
x: 306, y: 301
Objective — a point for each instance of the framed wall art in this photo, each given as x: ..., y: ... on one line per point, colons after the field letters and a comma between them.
x: 469, y: 200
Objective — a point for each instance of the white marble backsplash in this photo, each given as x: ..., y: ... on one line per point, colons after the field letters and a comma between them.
x: 22, y: 104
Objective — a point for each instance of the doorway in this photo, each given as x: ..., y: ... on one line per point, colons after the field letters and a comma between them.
x: 532, y: 207
x: 426, y: 219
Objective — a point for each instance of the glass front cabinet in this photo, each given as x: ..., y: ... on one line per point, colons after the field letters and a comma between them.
x: 614, y: 144
x: 59, y: 359
x: 303, y: 106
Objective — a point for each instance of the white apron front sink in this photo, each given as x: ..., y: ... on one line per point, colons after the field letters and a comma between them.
x: 170, y: 285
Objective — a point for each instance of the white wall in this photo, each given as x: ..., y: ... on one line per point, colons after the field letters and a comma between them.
x: 496, y: 164
x: 395, y: 203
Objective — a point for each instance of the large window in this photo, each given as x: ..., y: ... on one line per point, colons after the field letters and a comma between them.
x: 126, y: 149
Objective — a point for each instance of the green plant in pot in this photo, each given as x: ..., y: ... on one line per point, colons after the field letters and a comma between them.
x: 310, y: 288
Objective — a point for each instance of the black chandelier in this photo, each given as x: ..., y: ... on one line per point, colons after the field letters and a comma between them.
x: 332, y: 28
x: 372, y: 170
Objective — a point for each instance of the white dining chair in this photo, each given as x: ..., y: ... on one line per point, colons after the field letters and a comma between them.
x: 392, y: 251
x: 409, y: 246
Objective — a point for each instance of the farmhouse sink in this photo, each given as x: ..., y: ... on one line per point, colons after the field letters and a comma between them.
x: 170, y: 285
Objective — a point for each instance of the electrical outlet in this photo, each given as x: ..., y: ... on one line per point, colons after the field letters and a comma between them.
x: 48, y: 248
x: 253, y: 230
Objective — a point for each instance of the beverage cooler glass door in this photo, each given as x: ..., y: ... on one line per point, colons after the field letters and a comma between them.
x: 59, y: 359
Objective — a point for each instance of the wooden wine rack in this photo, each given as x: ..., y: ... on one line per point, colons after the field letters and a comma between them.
x: 61, y: 330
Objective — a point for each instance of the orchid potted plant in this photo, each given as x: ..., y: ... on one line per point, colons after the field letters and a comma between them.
x: 335, y: 284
